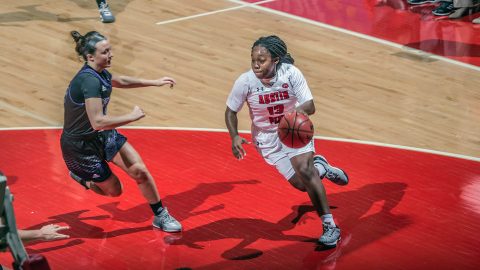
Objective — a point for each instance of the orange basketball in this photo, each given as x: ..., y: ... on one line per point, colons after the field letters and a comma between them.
x: 295, y: 130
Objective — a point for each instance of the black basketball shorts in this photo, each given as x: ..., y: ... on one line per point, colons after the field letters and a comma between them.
x: 88, y: 157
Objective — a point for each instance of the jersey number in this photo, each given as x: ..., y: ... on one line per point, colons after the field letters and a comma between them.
x: 275, y: 110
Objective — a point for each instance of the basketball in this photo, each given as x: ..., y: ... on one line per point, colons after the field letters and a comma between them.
x: 295, y: 130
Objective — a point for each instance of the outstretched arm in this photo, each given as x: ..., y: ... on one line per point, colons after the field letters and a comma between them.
x: 46, y: 233
x: 132, y: 82
x: 231, y: 121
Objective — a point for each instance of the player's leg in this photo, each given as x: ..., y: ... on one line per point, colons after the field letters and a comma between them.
x: 306, y: 172
x: 297, y: 183
x: 296, y: 165
x: 110, y: 186
x: 106, y: 14
x: 130, y: 161
x: 304, y: 169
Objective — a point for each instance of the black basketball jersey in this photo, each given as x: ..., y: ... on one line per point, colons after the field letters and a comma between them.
x: 87, y: 83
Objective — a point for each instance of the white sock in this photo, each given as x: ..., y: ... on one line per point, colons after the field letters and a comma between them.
x: 321, y: 170
x: 328, y: 219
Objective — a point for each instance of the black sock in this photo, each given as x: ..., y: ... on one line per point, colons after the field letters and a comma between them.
x: 157, y: 207
x: 101, y: 1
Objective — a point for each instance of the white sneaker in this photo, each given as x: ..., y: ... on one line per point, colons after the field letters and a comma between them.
x: 166, y: 222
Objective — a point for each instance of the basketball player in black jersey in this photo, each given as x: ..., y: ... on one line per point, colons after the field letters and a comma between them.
x: 89, y: 140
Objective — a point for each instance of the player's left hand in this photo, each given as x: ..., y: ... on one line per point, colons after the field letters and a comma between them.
x: 50, y: 232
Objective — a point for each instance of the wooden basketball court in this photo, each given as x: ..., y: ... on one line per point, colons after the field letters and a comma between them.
x: 397, y: 100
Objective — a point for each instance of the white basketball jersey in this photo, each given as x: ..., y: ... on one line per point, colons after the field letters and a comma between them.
x: 268, y: 103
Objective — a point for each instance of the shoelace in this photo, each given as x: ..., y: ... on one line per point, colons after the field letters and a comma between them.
x: 447, y: 5
x: 167, y: 217
x: 331, y: 175
x: 329, y: 231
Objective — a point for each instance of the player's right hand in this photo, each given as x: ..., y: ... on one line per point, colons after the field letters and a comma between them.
x: 237, y: 148
x: 137, y: 113
x: 166, y: 80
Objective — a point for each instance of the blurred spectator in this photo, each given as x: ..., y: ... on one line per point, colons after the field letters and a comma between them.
x: 445, y: 8
x: 465, y: 7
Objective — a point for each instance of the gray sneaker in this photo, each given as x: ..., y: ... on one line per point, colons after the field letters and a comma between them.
x: 106, y: 15
x: 334, y: 174
x: 421, y: 2
x: 330, y: 236
x: 166, y: 222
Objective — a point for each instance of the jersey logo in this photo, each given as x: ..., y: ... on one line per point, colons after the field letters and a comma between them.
x: 260, y: 89
x: 285, y: 85
x: 104, y: 88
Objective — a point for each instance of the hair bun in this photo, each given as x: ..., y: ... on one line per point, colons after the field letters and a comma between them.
x: 76, y: 35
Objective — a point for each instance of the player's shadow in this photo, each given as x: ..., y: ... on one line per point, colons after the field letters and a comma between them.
x: 365, y: 216
x: 189, y: 200
x: 248, y: 230
x: 31, y: 13
x: 447, y: 47
x: 355, y: 211
x: 81, y: 229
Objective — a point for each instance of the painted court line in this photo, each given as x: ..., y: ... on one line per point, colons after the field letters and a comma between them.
x: 363, y: 36
x: 256, y: 5
x: 422, y: 150
x: 19, y: 111
x: 242, y: 5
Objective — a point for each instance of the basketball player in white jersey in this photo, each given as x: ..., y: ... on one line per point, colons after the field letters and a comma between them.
x: 271, y: 88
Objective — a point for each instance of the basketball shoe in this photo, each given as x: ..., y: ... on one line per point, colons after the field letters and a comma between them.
x: 334, y: 174
x: 445, y: 8
x: 106, y: 15
x: 421, y: 2
x: 166, y: 222
x: 330, y: 236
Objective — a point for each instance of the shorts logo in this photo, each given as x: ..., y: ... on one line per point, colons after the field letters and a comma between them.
x: 104, y: 88
x: 95, y: 175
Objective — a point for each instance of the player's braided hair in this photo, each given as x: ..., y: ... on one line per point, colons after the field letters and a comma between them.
x: 86, y: 44
x: 276, y: 47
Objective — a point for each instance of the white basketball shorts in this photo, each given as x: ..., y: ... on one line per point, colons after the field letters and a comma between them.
x: 275, y: 153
